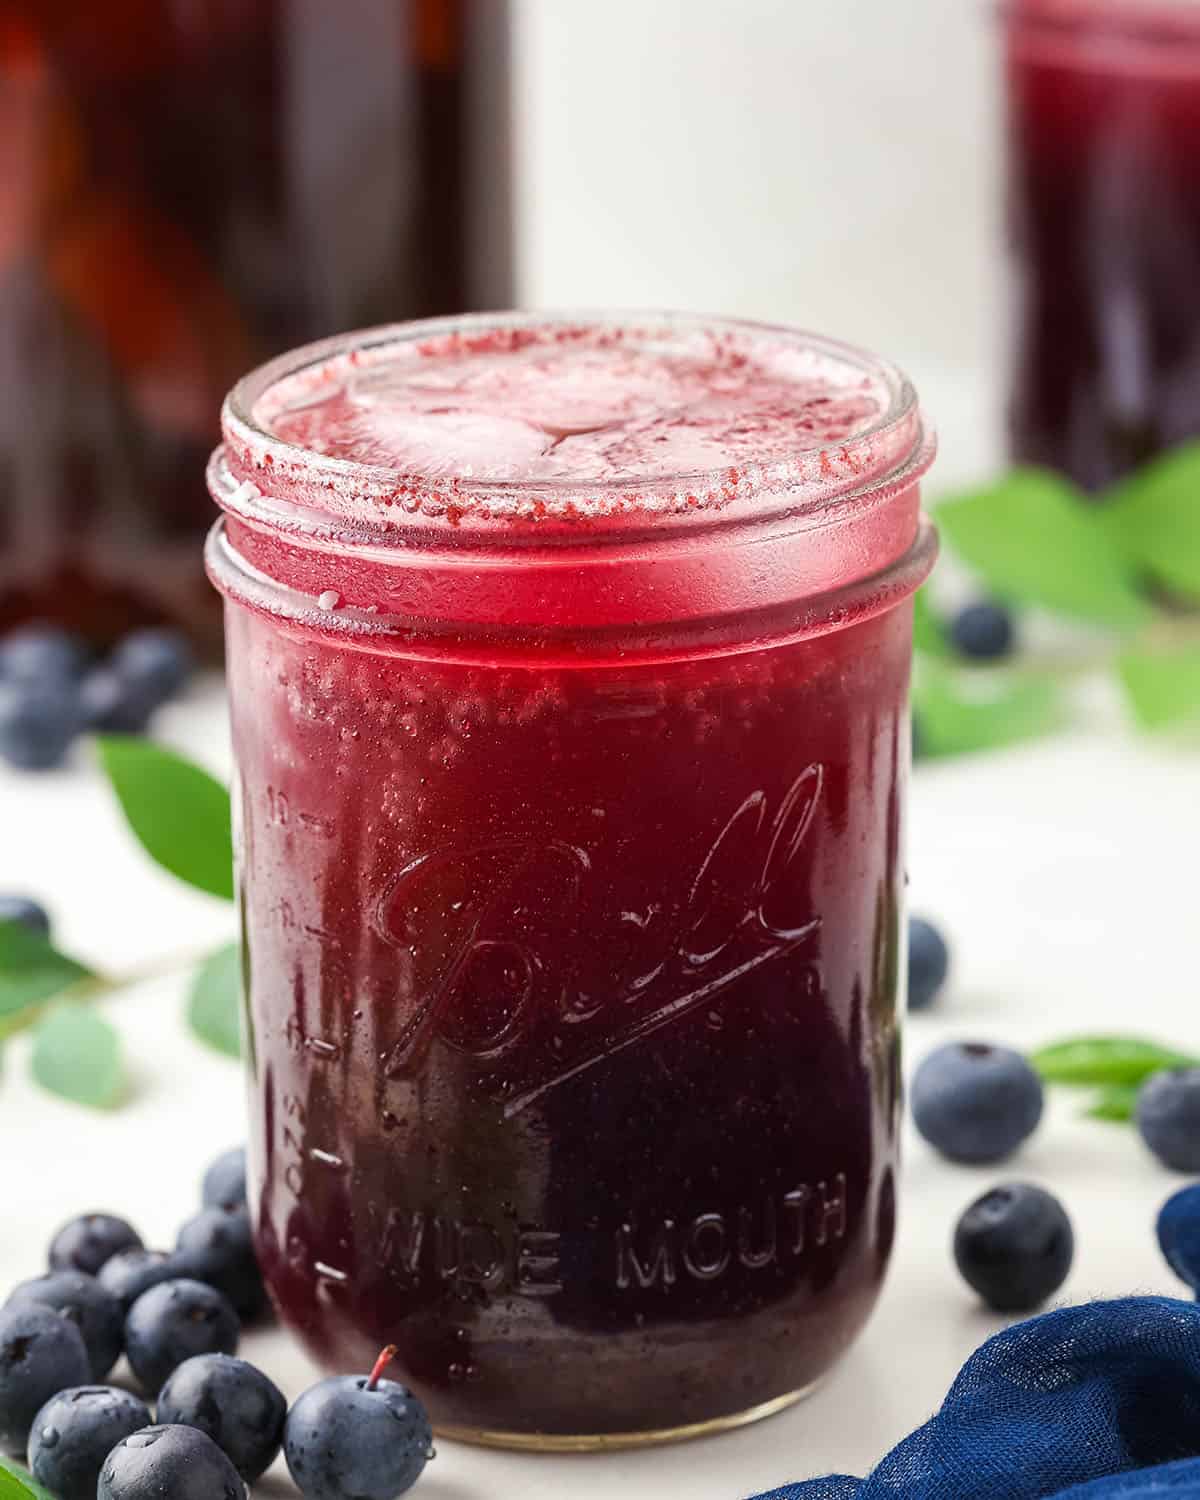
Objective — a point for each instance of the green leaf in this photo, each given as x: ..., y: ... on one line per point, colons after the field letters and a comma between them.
x: 961, y: 712
x: 16, y: 1484
x: 178, y: 811
x: 77, y: 1055
x: 1162, y: 685
x: 32, y: 969
x: 214, y: 1007
x: 929, y: 632
x: 1153, y: 517
x: 1107, y: 1060
x: 1115, y: 1103
x: 1033, y: 540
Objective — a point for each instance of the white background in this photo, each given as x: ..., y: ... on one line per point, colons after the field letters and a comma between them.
x: 833, y: 163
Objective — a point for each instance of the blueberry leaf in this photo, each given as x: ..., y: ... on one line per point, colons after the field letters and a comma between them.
x: 180, y: 813
x: 1032, y: 540
x: 214, y: 1006
x: 960, y: 712
x: 77, y: 1055
x: 1151, y: 518
x: 1107, y: 1060
x: 32, y: 969
x: 16, y: 1484
x: 1162, y: 686
x: 1116, y: 1103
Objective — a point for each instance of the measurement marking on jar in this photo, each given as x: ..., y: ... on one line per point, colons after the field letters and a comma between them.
x: 326, y: 1159
x: 327, y: 1051
x: 329, y: 1273
x: 328, y: 938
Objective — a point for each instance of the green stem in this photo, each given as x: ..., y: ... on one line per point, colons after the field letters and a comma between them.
x: 103, y: 986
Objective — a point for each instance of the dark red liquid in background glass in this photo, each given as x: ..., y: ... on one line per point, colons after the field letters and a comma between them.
x: 1104, y: 187
x: 572, y: 970
x: 188, y: 189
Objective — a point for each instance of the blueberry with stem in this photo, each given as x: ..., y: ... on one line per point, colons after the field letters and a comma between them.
x: 350, y: 1438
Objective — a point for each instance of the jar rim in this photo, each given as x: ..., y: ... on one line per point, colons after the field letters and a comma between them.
x: 378, y: 497
x: 1153, y: 24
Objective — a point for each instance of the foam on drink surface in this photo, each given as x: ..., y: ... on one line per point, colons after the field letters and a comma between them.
x: 585, y: 405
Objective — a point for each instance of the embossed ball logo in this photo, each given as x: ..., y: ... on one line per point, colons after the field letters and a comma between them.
x: 481, y: 924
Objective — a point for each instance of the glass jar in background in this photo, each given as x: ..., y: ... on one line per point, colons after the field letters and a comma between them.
x: 568, y: 669
x: 189, y: 188
x: 1104, y: 208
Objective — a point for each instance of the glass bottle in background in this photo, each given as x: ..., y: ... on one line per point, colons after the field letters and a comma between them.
x: 187, y: 186
x: 1104, y: 209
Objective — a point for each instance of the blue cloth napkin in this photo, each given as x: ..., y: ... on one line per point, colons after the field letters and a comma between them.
x: 1099, y: 1402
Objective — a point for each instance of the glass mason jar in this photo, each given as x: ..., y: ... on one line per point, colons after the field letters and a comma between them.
x: 188, y: 189
x: 570, y: 856
x: 1104, y: 210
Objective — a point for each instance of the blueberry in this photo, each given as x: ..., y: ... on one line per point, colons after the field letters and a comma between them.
x: 1179, y: 1234
x: 75, y: 1432
x: 928, y: 963
x: 158, y: 661
x: 82, y: 1301
x: 240, y: 1409
x: 217, y: 1247
x: 131, y: 1272
x: 29, y: 913
x: 225, y: 1181
x: 974, y: 1102
x: 983, y: 631
x: 1014, y: 1246
x: 41, y: 1353
x: 357, y: 1439
x: 1168, y: 1116
x: 180, y: 1462
x: 41, y: 653
x: 174, y: 1321
x: 84, y: 1244
x: 38, y: 723
x: 113, y: 704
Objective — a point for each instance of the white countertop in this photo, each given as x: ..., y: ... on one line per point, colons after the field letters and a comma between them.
x: 1065, y: 876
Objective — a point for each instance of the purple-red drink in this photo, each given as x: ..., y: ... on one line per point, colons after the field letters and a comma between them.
x: 1104, y: 197
x: 568, y: 666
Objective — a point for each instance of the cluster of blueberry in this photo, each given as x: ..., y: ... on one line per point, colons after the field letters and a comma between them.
x: 177, y: 1317
x: 52, y: 689
x: 976, y: 1103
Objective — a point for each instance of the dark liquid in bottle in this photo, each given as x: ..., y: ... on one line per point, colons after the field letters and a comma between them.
x: 1104, y: 150
x: 185, y: 190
